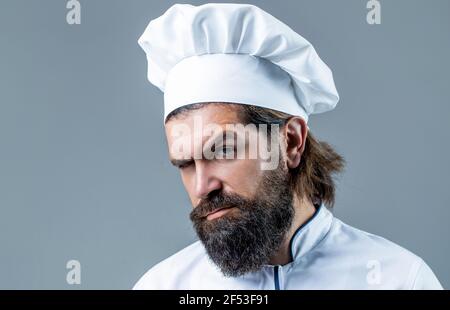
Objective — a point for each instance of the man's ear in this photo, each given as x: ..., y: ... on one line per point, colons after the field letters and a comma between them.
x: 295, y: 131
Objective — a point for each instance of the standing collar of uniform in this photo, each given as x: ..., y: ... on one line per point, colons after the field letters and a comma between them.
x: 310, y: 233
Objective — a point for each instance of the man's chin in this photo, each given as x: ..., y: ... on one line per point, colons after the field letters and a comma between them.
x: 231, y: 249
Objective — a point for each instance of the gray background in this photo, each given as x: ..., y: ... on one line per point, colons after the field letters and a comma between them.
x: 83, y: 163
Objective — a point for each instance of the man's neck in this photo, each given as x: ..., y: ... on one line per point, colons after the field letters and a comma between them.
x: 304, y: 210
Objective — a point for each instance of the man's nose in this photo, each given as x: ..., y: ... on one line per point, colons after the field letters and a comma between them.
x: 205, y: 181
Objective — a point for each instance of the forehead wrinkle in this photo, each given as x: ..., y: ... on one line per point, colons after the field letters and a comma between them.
x: 221, y: 115
x: 227, y: 115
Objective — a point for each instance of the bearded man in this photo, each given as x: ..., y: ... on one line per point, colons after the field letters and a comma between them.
x: 239, y: 86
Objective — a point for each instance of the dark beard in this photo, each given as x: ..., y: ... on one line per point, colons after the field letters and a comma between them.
x: 245, y: 239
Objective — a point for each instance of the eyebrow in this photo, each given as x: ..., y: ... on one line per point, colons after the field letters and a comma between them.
x: 180, y: 162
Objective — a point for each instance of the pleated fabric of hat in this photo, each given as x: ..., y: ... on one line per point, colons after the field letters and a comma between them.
x: 237, y: 53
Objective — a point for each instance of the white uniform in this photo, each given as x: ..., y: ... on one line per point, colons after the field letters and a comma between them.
x: 327, y: 254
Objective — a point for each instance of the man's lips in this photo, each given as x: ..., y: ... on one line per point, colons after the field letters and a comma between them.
x: 218, y: 213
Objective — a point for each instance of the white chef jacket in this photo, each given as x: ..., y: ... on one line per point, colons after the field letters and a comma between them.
x: 327, y: 254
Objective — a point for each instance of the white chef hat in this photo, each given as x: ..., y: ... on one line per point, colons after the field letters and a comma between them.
x: 237, y: 53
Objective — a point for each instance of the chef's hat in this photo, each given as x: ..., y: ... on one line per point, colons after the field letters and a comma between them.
x: 237, y: 53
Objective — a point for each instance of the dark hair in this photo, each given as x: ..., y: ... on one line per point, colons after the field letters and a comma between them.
x: 314, y: 176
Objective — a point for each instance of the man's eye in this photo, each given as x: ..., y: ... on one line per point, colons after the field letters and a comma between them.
x: 184, y: 165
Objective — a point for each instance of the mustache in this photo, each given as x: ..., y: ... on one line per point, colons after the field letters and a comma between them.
x: 218, y: 201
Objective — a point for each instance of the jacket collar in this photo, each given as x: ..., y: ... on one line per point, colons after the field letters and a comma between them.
x: 310, y: 233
